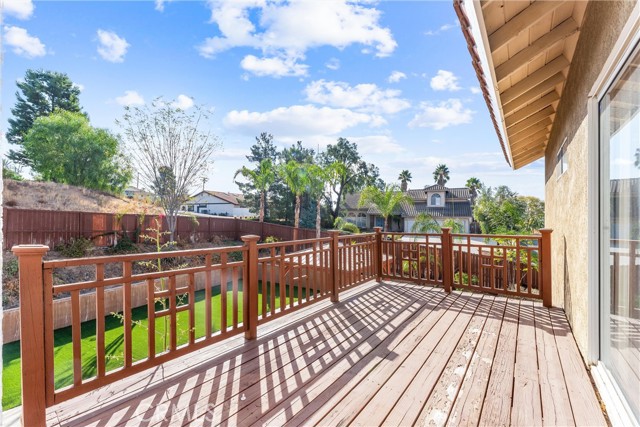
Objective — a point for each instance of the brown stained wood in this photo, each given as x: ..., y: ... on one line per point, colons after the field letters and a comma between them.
x: 126, y: 313
x: 49, y: 338
x: 100, y: 326
x: 380, y: 387
x: 294, y: 365
x: 76, y: 338
x: 556, y: 407
x: 496, y: 410
x: 272, y: 281
x: 527, y: 405
x: 401, y: 399
x: 234, y: 297
x: 173, y: 321
x: 192, y: 309
x: 445, y: 392
x: 472, y: 393
x: 284, y: 332
x: 223, y: 293
x: 282, y: 280
x: 323, y: 393
x: 584, y: 404
x: 208, y: 316
x: 151, y: 320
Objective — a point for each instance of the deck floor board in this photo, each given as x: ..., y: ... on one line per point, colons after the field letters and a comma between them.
x: 388, y: 354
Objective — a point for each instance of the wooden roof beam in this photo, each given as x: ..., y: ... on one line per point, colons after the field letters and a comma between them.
x: 544, y: 133
x: 521, y: 22
x: 538, y: 47
x: 532, y: 108
x: 535, y: 78
x: 533, y: 93
x: 530, y: 130
x: 528, y: 159
x: 534, y: 147
x: 531, y: 120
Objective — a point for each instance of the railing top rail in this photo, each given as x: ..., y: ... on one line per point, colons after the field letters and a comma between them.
x: 501, y: 236
x: 396, y: 233
x: 356, y: 236
x: 293, y: 243
x: 108, y: 259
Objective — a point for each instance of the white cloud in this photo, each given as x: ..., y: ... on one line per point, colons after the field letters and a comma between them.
x: 300, y: 121
x: 274, y: 67
x: 112, y: 47
x: 80, y: 86
x: 377, y: 144
x: 365, y: 97
x: 445, y: 80
x: 130, y: 97
x: 160, y: 4
x: 289, y: 29
x: 182, y: 102
x: 475, y: 90
x: 21, y: 9
x: 333, y: 64
x: 442, y: 29
x: 23, y: 43
x: 396, y: 76
x: 446, y: 113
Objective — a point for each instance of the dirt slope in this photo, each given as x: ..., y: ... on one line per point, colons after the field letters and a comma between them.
x: 52, y: 196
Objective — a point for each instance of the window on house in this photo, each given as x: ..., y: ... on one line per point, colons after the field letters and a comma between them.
x: 562, y: 162
x: 435, y: 200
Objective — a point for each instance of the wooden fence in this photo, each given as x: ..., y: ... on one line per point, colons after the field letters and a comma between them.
x: 257, y: 283
x: 51, y: 228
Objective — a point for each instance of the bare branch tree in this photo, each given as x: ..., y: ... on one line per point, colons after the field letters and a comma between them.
x: 170, y: 150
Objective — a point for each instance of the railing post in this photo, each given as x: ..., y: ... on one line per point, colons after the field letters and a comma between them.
x: 250, y: 287
x: 447, y: 259
x: 544, y: 262
x: 378, y: 253
x: 32, y: 333
x: 335, y: 276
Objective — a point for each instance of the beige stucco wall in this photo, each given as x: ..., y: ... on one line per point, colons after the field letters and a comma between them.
x: 566, y: 200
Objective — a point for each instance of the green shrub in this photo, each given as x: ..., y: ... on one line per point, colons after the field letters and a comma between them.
x: 271, y: 239
x: 124, y: 246
x: 351, y: 228
x: 10, y: 269
x: 76, y: 248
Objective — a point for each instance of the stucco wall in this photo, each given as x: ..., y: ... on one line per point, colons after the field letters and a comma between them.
x: 566, y: 201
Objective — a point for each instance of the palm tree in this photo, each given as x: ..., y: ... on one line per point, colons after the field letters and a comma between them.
x: 294, y: 174
x: 441, y: 174
x: 473, y: 184
x: 404, y: 178
x: 261, y: 178
x: 425, y: 223
x: 455, y: 226
x: 317, y: 177
x: 385, y: 201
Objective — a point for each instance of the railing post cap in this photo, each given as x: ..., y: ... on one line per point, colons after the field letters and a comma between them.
x: 30, y: 249
x: 334, y: 232
x: 545, y: 230
x: 378, y: 229
x: 250, y: 238
x: 445, y: 229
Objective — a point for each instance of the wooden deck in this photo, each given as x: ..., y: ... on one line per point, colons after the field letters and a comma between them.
x: 390, y: 353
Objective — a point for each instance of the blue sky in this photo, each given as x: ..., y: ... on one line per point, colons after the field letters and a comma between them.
x: 395, y: 77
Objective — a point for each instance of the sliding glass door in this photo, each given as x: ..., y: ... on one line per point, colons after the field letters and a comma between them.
x: 620, y: 219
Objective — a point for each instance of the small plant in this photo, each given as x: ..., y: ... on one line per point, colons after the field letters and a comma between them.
x: 123, y: 246
x: 271, y: 239
x: 76, y: 248
x: 10, y: 269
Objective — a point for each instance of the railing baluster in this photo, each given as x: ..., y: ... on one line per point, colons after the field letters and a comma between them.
x: 282, y: 279
x: 234, y: 293
x: 223, y: 293
x: 207, y: 296
x: 126, y: 288
x: 76, y: 338
x: 151, y: 319
x: 100, y: 328
x: 173, y: 320
x: 192, y: 309
x: 272, y: 284
x: 263, y: 287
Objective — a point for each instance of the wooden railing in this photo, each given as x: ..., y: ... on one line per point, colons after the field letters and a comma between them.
x: 194, y: 298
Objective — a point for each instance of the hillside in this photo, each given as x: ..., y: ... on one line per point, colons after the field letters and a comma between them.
x: 62, y: 197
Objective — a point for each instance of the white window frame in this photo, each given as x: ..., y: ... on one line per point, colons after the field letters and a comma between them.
x: 561, y: 158
x: 617, y: 407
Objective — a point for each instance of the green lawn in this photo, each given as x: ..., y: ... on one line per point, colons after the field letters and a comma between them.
x: 114, y: 340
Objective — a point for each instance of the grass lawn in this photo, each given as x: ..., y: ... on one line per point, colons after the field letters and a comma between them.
x: 114, y: 341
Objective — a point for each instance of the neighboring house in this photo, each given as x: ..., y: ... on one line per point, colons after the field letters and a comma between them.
x: 217, y: 203
x: 136, y: 193
x: 562, y: 83
x: 440, y: 202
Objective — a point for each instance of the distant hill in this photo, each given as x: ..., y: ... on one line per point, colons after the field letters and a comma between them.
x: 62, y: 197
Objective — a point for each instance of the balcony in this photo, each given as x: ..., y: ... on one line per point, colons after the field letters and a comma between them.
x: 371, y: 329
